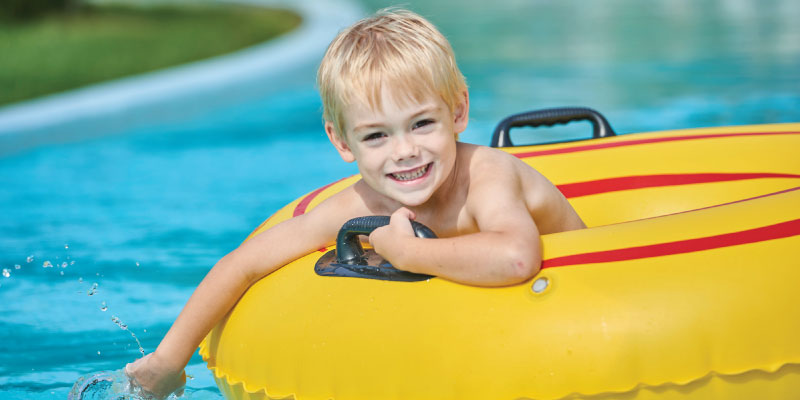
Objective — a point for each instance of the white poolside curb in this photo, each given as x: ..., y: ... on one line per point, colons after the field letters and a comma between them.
x: 157, y: 90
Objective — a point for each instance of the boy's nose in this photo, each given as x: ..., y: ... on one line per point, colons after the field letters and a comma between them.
x: 404, y: 148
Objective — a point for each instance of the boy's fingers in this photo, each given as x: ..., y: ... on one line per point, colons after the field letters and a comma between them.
x: 404, y: 213
x: 374, y: 234
x: 131, y: 367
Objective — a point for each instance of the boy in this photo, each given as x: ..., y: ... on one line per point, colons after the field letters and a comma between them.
x: 394, y: 102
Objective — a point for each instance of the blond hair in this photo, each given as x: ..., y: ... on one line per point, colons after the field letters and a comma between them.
x: 394, y: 47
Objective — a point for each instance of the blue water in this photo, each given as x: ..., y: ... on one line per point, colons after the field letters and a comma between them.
x: 145, y: 212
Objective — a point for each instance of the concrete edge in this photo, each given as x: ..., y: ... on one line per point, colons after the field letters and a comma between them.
x: 321, y: 22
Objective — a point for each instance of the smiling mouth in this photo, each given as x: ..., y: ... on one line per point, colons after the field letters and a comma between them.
x: 412, y: 174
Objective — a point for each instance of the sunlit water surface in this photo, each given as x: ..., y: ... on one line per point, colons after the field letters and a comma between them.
x: 119, y: 230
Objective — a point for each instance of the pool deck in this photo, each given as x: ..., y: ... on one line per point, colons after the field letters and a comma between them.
x: 147, y: 98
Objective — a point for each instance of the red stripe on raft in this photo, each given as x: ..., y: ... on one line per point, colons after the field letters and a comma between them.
x: 579, y: 189
x: 764, y: 233
x: 303, y: 204
x: 607, y: 145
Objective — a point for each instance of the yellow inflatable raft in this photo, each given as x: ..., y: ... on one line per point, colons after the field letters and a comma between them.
x: 686, y: 285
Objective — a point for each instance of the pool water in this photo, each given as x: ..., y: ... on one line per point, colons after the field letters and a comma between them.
x: 144, y: 213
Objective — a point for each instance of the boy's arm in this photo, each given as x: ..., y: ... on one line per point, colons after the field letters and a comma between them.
x: 506, y: 250
x: 160, y: 373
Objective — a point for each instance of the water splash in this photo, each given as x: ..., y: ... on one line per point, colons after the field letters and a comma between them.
x: 29, y: 259
x: 124, y: 327
x: 119, y: 323
x: 93, y: 290
x: 6, y: 272
x: 17, y: 266
x: 101, y: 385
x: 103, y: 306
x: 47, y: 264
x: 110, y: 385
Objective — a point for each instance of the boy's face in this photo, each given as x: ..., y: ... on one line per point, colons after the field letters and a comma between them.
x: 404, y: 150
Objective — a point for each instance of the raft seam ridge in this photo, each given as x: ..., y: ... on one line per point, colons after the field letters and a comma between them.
x: 644, y: 385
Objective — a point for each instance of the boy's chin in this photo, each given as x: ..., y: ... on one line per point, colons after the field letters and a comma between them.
x: 411, y: 200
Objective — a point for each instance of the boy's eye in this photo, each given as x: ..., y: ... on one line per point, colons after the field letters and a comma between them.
x: 374, y: 136
x: 420, y: 124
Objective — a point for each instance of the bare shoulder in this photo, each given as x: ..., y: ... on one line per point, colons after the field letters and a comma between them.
x: 333, y: 212
x: 319, y: 225
x: 487, y: 162
x: 495, y: 168
x: 279, y: 244
x: 497, y: 176
x: 494, y: 180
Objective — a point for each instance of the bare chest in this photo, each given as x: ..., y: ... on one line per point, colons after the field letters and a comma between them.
x: 449, y: 223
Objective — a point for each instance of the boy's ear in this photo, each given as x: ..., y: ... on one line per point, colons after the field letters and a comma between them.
x: 339, y: 143
x: 461, y: 113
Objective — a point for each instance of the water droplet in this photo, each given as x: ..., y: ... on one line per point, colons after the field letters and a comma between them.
x: 66, y: 246
x: 124, y: 327
x: 98, y: 352
x: 189, y: 377
x: 64, y: 264
x: 6, y: 272
x: 144, y: 330
x: 72, y: 262
x: 103, y: 306
x: 137, y: 263
x: 17, y: 266
x: 80, y: 280
x: 47, y: 264
x: 93, y: 290
x: 29, y: 259
x: 62, y: 273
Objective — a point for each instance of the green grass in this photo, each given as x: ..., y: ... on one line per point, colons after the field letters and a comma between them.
x: 98, y: 43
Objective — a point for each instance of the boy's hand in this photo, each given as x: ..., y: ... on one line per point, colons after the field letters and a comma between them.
x: 384, y: 239
x: 155, y: 377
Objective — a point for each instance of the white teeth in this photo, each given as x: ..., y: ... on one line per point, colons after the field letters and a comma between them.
x: 410, y: 175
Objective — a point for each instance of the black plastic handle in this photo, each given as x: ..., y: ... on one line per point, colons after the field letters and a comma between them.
x: 550, y: 117
x: 350, y: 260
x: 348, y: 245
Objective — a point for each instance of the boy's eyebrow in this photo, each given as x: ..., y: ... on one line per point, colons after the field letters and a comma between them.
x: 424, y: 110
x: 367, y: 126
x: 427, y: 109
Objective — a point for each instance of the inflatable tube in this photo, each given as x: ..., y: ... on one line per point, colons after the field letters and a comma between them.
x: 685, y: 286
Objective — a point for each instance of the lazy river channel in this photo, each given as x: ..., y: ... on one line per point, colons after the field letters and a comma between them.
x: 116, y: 231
